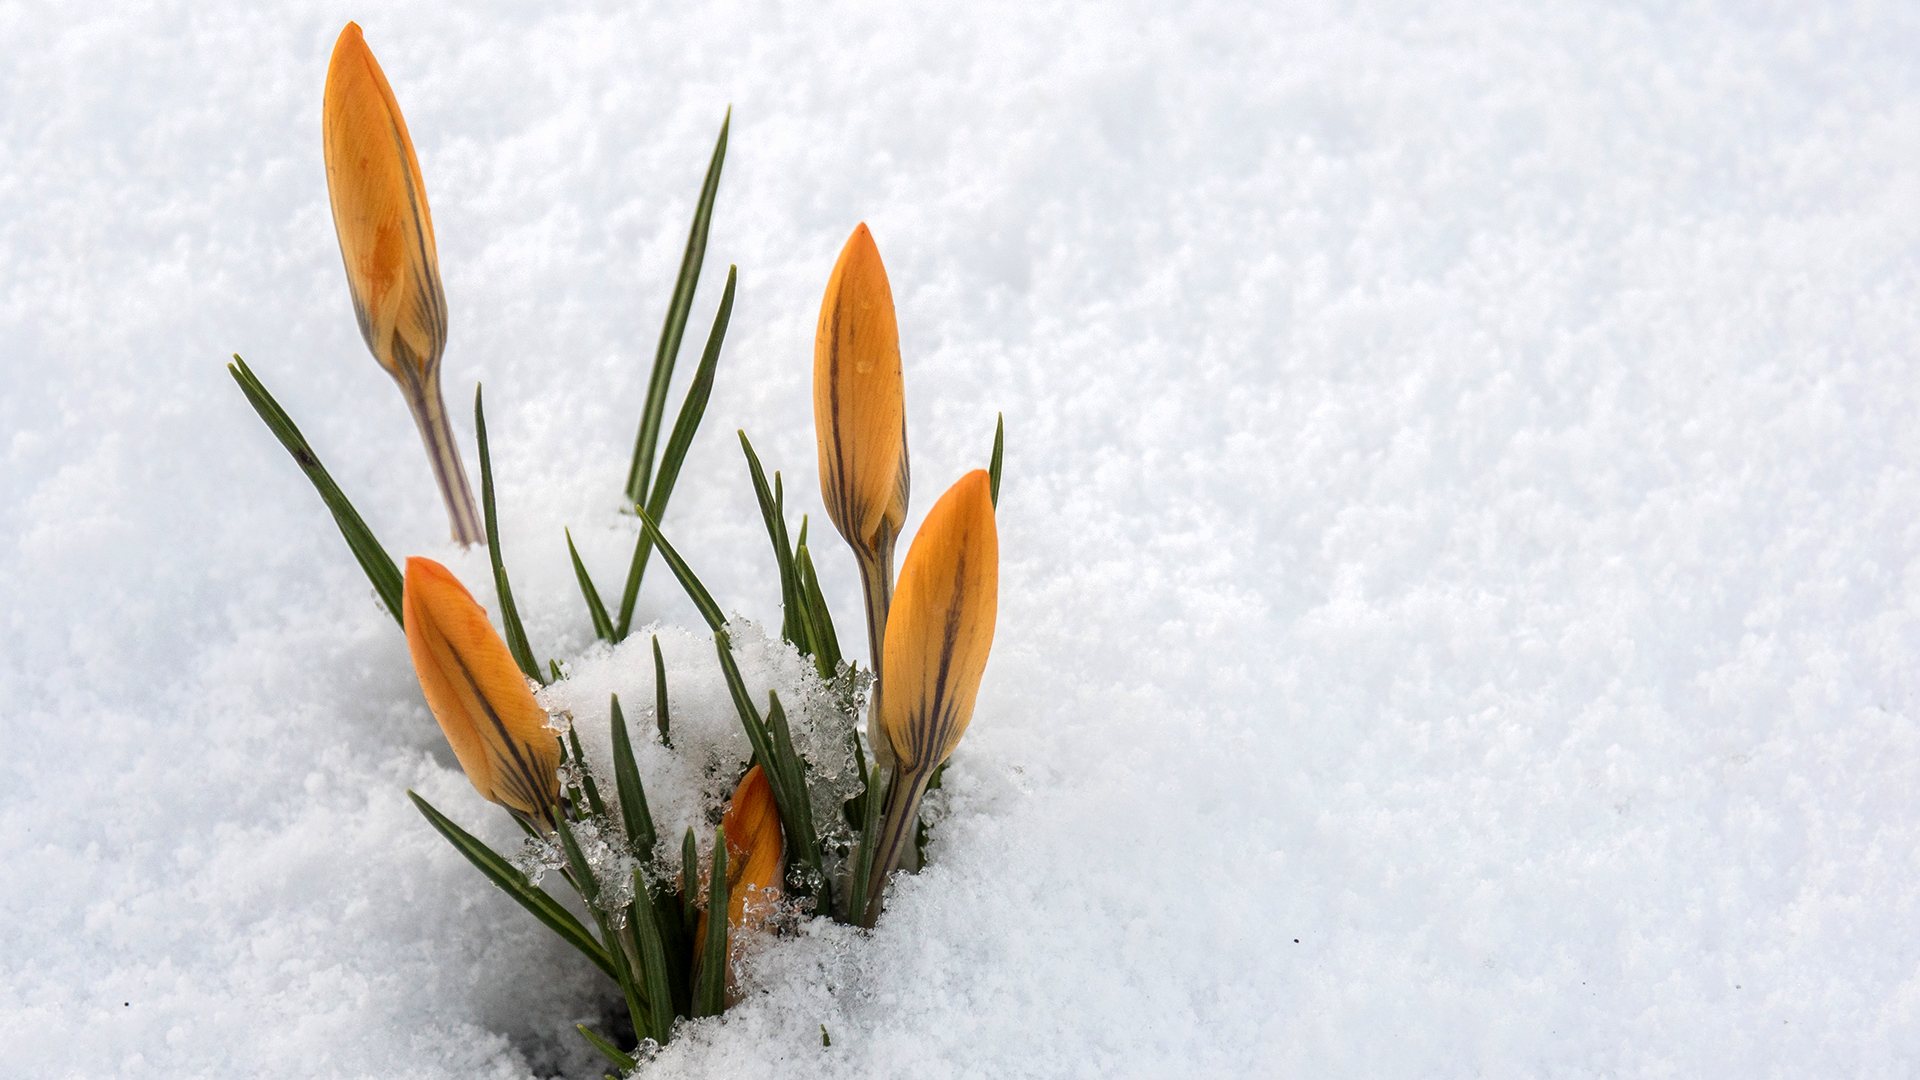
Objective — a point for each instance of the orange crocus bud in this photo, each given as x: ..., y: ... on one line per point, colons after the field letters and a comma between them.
x: 385, y: 230
x: 756, y: 857
x: 938, y: 638
x: 476, y: 691
x: 859, y: 404
x: 860, y: 428
x: 942, y: 626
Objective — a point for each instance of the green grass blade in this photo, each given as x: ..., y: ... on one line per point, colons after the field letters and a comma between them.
x: 782, y: 770
x: 871, y: 799
x: 689, y: 879
x: 373, y: 558
x: 749, y: 716
x: 509, y: 615
x: 660, y: 694
x: 653, y: 959
x: 607, y: 1050
x: 800, y: 830
x: 993, y: 467
x: 710, y: 990
x: 826, y: 642
x: 770, y: 513
x: 702, y: 599
x: 855, y: 809
x: 692, y: 409
x: 602, y: 625
x: 676, y: 936
x: 633, y: 797
x: 676, y: 323
x: 589, y: 887
x: 583, y: 878
x: 586, y: 776
x: 536, y: 900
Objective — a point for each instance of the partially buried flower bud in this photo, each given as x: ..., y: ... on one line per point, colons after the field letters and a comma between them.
x: 938, y: 638
x: 385, y: 230
x: 756, y: 857
x: 476, y: 691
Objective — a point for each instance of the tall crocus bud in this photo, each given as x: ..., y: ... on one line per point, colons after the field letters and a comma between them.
x: 386, y: 239
x: 756, y: 857
x: 476, y: 691
x: 860, y: 425
x: 937, y: 642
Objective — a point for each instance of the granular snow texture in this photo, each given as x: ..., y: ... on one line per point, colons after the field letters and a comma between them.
x: 1460, y: 600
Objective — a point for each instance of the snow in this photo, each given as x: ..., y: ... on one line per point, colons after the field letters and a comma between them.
x: 1460, y: 594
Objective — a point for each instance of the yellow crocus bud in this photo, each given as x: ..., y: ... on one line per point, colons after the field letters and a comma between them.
x: 860, y: 427
x: 385, y: 230
x: 756, y: 857
x: 476, y: 691
x: 938, y: 638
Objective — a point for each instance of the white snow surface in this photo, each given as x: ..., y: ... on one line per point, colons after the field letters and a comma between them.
x: 1460, y: 585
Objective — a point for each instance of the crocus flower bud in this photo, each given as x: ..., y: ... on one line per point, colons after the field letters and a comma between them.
x: 859, y: 408
x: 476, y: 691
x: 942, y: 626
x: 860, y: 427
x: 938, y: 638
x: 385, y: 230
x: 756, y: 857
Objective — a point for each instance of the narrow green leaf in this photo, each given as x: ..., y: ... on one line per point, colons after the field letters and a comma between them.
x: 553, y: 666
x: 993, y: 468
x: 509, y: 615
x: 770, y: 513
x: 789, y: 789
x: 660, y: 694
x: 586, y: 775
x: 872, y: 799
x: 692, y: 409
x: 709, y: 991
x: 689, y: 879
x: 702, y: 599
x: 528, y: 895
x: 676, y: 322
x: 855, y: 809
x: 633, y: 798
x: 574, y: 797
x: 602, y: 625
x: 653, y: 959
x: 824, y: 1041
x: 743, y: 704
x: 800, y: 830
x: 589, y: 887
x: 584, y: 880
x: 607, y: 1050
x: 676, y: 936
x: 826, y: 642
x: 373, y: 559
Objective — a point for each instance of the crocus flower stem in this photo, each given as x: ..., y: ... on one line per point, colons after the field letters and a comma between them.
x: 430, y: 416
x: 896, y: 830
x: 876, y: 584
